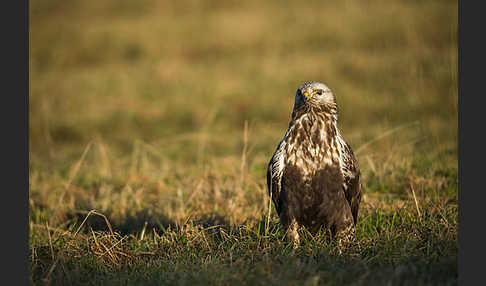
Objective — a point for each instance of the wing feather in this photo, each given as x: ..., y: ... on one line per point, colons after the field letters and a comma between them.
x: 352, y: 178
x: 275, y: 173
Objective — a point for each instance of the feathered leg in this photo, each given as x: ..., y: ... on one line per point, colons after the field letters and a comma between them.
x: 293, y: 232
x: 291, y: 227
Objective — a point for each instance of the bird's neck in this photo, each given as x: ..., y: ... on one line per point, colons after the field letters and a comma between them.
x: 314, y: 118
x: 327, y: 112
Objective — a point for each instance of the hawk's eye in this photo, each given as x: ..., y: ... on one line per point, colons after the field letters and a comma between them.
x: 319, y: 91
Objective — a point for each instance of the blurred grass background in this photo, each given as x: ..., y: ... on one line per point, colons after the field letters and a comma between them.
x: 138, y: 108
x: 164, y: 89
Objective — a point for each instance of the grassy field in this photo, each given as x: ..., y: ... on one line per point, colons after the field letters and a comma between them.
x: 152, y: 123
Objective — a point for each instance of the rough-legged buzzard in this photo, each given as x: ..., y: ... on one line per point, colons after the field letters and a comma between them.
x: 313, y: 177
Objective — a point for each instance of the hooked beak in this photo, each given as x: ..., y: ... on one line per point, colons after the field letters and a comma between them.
x: 306, y: 94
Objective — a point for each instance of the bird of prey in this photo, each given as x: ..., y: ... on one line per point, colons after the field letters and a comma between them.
x: 313, y: 177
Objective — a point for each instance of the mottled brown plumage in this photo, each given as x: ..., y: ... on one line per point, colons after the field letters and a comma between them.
x: 313, y: 177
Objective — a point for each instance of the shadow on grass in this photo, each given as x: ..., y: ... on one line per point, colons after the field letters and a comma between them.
x: 235, y: 255
x: 281, y: 269
x: 138, y: 221
x: 129, y: 224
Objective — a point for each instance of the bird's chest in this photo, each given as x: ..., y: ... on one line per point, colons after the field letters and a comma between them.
x: 309, y: 148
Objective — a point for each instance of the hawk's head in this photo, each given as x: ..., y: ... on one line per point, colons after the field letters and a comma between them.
x: 316, y: 94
